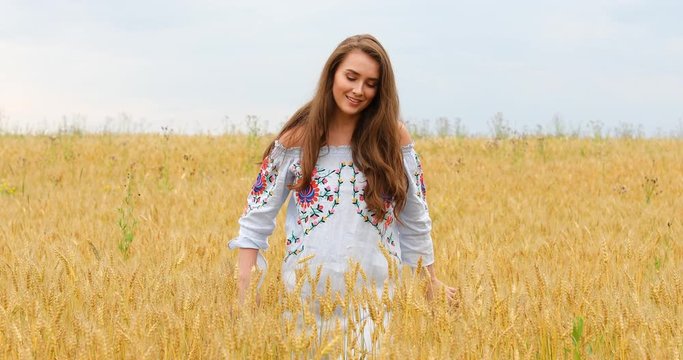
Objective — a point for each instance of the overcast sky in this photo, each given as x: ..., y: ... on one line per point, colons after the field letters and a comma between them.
x: 189, y: 64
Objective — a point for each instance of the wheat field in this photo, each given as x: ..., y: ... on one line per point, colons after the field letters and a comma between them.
x: 114, y: 246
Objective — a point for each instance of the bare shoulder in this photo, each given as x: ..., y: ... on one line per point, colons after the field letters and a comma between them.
x: 404, y: 134
x: 291, y: 138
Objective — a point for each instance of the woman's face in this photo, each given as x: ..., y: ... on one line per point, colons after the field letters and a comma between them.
x: 355, y: 83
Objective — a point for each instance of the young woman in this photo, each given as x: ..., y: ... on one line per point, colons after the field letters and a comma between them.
x: 356, y: 179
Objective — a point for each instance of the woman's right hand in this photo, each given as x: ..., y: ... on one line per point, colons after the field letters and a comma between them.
x: 246, y: 262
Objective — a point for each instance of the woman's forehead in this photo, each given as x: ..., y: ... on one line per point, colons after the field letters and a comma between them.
x: 360, y: 63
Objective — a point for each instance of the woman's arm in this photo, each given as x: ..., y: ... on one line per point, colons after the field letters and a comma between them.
x: 246, y: 262
x: 436, y: 284
x: 257, y: 223
x: 416, y: 228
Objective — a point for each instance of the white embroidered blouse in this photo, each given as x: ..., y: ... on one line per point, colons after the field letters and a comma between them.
x: 330, y: 220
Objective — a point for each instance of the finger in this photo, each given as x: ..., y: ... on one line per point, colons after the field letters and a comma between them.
x: 449, y: 291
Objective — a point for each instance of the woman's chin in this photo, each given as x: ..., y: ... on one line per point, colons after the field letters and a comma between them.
x: 351, y: 111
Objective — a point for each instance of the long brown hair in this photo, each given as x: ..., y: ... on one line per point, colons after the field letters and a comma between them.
x: 375, y: 143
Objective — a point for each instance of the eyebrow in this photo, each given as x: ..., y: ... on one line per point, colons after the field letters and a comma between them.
x: 356, y: 73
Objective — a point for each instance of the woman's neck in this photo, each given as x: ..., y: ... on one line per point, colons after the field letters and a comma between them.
x: 340, y: 130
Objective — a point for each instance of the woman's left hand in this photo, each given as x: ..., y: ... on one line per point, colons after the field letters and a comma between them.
x: 437, y: 285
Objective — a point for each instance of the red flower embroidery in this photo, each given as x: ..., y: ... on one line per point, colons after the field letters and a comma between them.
x: 308, y: 196
x: 260, y: 183
x: 388, y: 221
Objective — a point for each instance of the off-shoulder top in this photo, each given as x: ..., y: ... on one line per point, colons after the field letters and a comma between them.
x: 329, y: 223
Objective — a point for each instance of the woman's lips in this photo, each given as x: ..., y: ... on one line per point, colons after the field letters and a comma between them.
x: 354, y: 102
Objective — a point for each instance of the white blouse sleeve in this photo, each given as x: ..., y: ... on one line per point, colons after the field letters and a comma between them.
x: 268, y: 193
x: 414, y: 223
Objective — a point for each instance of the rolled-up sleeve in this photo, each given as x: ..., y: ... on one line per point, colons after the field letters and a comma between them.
x: 415, y: 224
x: 268, y: 193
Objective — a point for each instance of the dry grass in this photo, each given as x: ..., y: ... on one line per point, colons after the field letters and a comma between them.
x: 536, y: 233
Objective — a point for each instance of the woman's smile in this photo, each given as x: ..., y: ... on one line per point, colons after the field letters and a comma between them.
x: 354, y: 102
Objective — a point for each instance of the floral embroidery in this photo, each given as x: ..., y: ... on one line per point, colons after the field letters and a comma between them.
x: 381, y: 225
x: 388, y: 218
x: 420, y: 181
x: 315, y: 204
x: 293, y: 240
x: 259, y: 185
x: 263, y: 186
x: 318, y: 201
x: 309, y: 196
